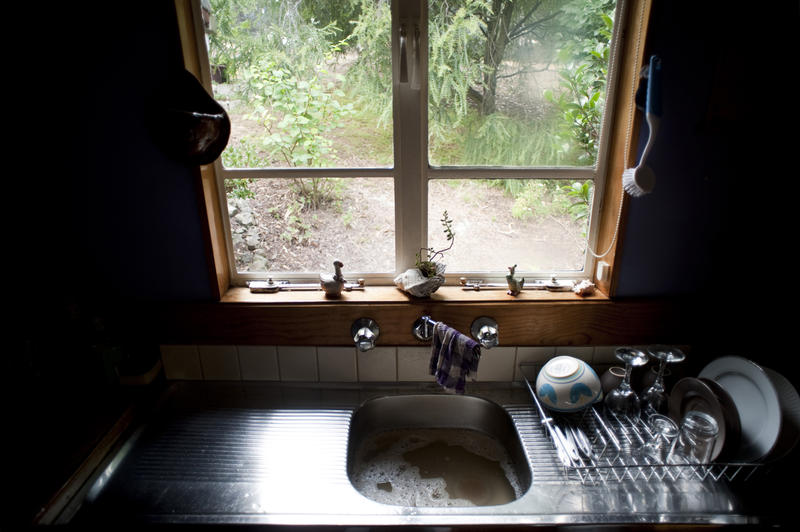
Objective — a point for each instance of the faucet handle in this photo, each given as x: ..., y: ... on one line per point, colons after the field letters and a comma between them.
x: 484, y: 330
x: 365, y: 332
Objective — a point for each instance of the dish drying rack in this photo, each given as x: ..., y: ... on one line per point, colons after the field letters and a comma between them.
x: 595, y: 448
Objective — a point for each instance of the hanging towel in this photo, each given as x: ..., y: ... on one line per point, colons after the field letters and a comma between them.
x: 454, y: 356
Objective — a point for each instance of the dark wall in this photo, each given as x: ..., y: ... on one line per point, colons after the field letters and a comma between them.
x: 722, y: 154
x: 97, y: 216
x: 114, y: 216
x: 718, y: 228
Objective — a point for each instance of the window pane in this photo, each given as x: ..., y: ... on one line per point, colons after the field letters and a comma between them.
x: 519, y: 84
x: 303, y: 82
x: 303, y: 225
x: 539, y: 225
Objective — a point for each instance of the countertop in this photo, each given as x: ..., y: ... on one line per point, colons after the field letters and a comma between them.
x: 144, y: 478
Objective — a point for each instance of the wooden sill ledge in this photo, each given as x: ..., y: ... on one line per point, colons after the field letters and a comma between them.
x: 392, y: 295
x: 535, y: 318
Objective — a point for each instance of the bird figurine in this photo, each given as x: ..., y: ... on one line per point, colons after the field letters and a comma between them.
x: 514, y: 285
x: 333, y: 284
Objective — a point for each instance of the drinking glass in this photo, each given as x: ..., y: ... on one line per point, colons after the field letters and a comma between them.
x: 622, y: 400
x: 655, y: 399
x: 696, y: 439
x: 663, y: 432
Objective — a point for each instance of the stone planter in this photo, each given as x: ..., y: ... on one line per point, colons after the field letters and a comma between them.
x: 413, y: 282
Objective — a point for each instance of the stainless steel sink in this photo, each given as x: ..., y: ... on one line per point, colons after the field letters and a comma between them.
x: 439, y: 434
x: 280, y: 454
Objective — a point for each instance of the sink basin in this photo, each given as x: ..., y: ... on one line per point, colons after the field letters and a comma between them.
x: 436, y: 450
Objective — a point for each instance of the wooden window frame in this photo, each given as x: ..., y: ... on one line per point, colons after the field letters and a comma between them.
x: 259, y: 318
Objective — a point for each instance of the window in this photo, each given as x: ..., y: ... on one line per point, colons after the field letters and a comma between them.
x: 358, y: 123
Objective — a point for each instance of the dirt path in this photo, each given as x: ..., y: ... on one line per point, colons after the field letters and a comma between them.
x: 358, y: 229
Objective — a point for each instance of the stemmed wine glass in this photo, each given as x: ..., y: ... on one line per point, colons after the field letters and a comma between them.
x: 655, y: 398
x: 622, y: 400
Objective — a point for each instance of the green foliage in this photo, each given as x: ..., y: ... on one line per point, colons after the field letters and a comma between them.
x: 238, y: 188
x: 235, y: 39
x: 297, y: 116
x: 278, y: 54
x: 455, y: 35
x: 454, y: 65
x: 338, y: 15
x: 247, y: 31
x: 295, y: 113
x: 538, y: 198
x: 315, y: 191
x: 583, y: 80
x: 371, y: 71
x: 297, y: 229
x: 281, y: 74
x: 581, y: 196
x: 546, y: 197
x: 244, y: 154
x: 498, y: 140
x: 241, y: 155
x: 426, y: 257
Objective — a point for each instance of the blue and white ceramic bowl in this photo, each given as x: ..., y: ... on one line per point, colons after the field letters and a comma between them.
x: 568, y: 384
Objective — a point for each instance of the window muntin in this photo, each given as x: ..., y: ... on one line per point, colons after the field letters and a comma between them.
x: 240, y: 167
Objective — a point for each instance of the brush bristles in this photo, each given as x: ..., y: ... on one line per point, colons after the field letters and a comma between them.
x: 630, y: 185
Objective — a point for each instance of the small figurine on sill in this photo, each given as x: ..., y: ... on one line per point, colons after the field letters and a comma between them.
x: 333, y: 284
x: 428, y: 276
x: 514, y: 285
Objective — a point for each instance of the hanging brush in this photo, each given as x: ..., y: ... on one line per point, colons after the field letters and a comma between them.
x: 641, y: 179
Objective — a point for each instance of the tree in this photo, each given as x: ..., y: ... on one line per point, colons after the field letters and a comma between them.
x: 511, y: 23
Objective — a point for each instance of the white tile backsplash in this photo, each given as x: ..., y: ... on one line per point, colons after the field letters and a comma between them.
x: 259, y: 363
x: 347, y: 364
x: 220, y: 362
x: 337, y: 364
x: 181, y: 362
x: 584, y: 352
x: 604, y: 354
x: 532, y: 355
x: 378, y: 365
x: 298, y: 363
x: 497, y: 364
x: 413, y: 363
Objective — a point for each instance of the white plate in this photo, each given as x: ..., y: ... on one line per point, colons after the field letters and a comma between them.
x: 756, y: 401
x: 790, y: 408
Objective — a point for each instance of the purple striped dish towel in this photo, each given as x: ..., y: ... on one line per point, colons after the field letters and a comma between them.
x: 454, y: 357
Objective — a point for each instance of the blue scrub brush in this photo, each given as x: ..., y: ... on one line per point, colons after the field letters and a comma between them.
x: 641, y: 179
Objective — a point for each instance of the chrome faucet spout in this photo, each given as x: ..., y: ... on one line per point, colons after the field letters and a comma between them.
x: 365, y: 332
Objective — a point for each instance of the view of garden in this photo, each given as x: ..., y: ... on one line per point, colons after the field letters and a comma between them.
x: 307, y: 83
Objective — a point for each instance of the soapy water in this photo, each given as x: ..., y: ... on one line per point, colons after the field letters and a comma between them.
x: 434, y: 467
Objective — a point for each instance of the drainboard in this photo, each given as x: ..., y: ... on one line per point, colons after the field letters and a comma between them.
x: 278, y: 454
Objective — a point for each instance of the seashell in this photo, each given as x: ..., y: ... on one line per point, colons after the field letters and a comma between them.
x: 413, y: 282
x: 584, y: 288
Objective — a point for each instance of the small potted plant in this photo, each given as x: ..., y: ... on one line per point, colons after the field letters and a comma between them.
x: 428, y: 275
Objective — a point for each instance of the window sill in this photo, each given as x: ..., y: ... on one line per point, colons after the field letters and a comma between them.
x: 535, y: 318
x: 392, y: 295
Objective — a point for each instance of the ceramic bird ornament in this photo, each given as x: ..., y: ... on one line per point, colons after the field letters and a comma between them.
x: 514, y: 285
x: 333, y: 284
